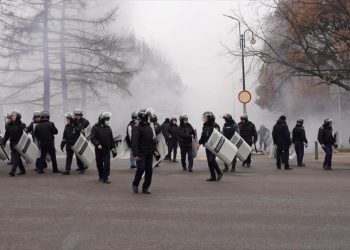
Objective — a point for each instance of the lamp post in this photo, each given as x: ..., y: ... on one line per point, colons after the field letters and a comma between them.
x: 242, y: 38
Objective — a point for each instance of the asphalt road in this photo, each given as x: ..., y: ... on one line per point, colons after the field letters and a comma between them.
x: 257, y: 208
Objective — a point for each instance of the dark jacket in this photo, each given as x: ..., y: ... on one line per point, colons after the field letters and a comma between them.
x: 129, y: 128
x: 229, y: 129
x: 31, y: 130
x: 71, y: 134
x: 298, y: 134
x: 185, y: 134
x: 142, y: 139
x: 173, y: 132
x: 248, y: 132
x: 281, y: 134
x: 206, y: 132
x: 82, y: 124
x: 325, y: 135
x: 157, y: 128
x: 14, y: 131
x: 164, y: 128
x: 102, y: 135
x: 45, y: 132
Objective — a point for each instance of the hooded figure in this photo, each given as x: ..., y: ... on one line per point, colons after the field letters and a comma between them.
x: 281, y: 138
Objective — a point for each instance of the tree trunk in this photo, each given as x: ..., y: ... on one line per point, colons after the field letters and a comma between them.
x: 63, y: 60
x: 47, y: 94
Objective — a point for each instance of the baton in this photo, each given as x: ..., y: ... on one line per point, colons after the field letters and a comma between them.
x: 256, y: 150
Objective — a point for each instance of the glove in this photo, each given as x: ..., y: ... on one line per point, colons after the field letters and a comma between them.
x: 114, y: 153
x: 336, y: 146
x: 62, y: 146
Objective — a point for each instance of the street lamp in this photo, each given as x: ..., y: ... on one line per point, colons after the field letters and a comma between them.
x: 242, y: 38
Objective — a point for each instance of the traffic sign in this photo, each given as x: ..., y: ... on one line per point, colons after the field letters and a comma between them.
x: 244, y: 96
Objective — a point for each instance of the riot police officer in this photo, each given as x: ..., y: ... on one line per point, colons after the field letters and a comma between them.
x: 173, y: 139
x: 143, y: 147
x: 157, y: 129
x: 209, y: 125
x: 102, y: 139
x: 186, y: 134
x: 71, y: 134
x: 31, y: 130
x: 14, y: 131
x: 248, y: 132
x: 129, y: 128
x: 229, y: 129
x: 327, y: 140
x: 300, y: 141
x: 45, y: 132
x: 82, y: 124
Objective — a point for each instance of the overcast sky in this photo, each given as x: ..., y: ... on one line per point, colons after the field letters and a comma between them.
x: 189, y: 34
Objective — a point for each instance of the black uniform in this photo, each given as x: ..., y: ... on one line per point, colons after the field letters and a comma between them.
x: 173, y: 142
x: 281, y: 138
x: 248, y: 132
x: 185, y: 134
x: 228, y: 130
x: 299, y: 138
x: 71, y: 134
x: 31, y: 130
x: 14, y: 131
x: 143, y: 146
x: 325, y: 137
x: 164, y: 128
x: 129, y: 129
x: 45, y: 132
x: 215, y: 172
x: 102, y: 135
x: 82, y: 124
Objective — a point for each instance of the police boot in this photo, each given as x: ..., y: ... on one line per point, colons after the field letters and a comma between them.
x: 219, y: 177
x: 21, y: 173
x: 11, y: 174
x: 146, y: 191
x: 66, y: 172
x: 225, y: 169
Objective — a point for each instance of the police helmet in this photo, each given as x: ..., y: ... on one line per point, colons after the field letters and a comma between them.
x: 69, y: 115
x: 143, y: 114
x: 36, y: 114
x: 227, y: 117
x: 183, y: 117
x: 134, y: 115
x: 244, y: 117
x: 17, y: 113
x: 78, y: 112
x: 154, y: 118
x: 300, y: 121
x: 210, y: 116
x: 45, y: 115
